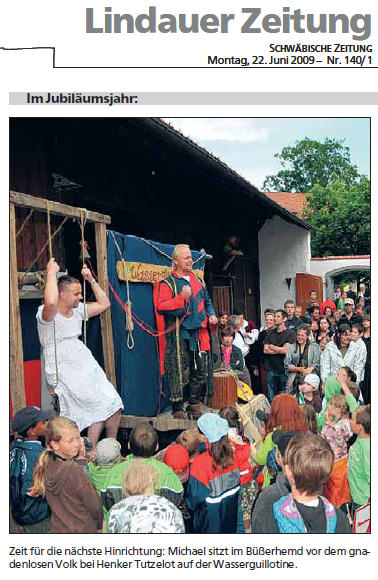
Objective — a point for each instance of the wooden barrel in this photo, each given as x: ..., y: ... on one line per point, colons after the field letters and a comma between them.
x: 225, y: 390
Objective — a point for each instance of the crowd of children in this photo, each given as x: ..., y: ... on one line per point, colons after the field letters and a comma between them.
x: 309, y: 472
x: 205, y: 482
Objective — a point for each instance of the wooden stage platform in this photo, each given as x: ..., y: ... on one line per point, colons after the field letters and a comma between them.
x: 163, y: 422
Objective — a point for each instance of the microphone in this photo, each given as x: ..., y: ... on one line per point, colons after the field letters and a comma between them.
x: 207, y: 256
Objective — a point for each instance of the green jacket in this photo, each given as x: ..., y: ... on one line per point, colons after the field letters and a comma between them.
x: 108, y: 482
x: 169, y: 485
x: 359, y: 470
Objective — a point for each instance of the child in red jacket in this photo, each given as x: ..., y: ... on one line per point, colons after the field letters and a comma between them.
x: 212, y: 492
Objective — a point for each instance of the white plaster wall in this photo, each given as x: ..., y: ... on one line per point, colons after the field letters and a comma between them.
x: 324, y: 267
x: 284, y: 250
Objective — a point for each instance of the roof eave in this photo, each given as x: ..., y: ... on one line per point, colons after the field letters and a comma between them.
x: 247, y: 187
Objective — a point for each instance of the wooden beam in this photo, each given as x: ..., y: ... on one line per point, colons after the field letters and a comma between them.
x: 16, y: 363
x: 106, y: 317
x: 164, y: 422
x: 56, y: 208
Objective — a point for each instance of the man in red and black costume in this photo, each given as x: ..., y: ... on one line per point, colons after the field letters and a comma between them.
x: 183, y: 300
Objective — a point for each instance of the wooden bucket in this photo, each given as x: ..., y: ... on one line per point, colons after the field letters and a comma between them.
x: 225, y: 390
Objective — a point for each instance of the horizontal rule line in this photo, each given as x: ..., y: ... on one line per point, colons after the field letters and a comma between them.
x: 207, y: 67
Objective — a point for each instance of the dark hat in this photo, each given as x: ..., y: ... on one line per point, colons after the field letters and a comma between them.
x: 282, y: 439
x: 28, y: 416
x: 343, y: 328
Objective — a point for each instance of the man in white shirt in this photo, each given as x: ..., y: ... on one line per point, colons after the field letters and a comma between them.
x: 240, y: 340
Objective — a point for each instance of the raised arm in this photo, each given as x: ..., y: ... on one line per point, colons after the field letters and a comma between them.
x: 51, y: 295
x: 252, y: 336
x: 349, y: 398
x: 102, y: 302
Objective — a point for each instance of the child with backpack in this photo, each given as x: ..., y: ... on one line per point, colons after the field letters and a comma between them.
x: 30, y: 514
x: 212, y: 493
x: 307, y: 465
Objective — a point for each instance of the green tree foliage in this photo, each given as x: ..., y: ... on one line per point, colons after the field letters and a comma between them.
x: 309, y: 163
x: 350, y: 277
x: 340, y: 217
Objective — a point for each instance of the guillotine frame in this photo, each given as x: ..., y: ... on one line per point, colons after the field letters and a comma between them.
x: 16, y: 363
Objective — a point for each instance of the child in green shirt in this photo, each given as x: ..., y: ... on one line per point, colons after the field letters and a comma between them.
x: 359, y: 459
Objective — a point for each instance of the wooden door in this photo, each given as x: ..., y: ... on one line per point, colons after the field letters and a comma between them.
x: 221, y: 299
x: 245, y: 288
x: 304, y: 283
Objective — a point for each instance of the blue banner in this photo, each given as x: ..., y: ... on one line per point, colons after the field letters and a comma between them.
x: 137, y: 369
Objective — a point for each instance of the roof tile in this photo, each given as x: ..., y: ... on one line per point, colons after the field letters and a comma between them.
x: 293, y: 202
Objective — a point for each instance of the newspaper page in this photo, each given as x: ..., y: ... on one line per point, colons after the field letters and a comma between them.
x: 196, y: 123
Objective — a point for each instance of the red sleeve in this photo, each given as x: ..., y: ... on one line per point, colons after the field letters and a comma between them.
x: 165, y: 302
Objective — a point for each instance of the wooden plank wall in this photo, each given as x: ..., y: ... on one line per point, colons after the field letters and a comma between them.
x: 33, y: 237
x: 16, y: 363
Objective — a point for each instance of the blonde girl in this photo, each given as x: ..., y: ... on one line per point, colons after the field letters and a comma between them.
x: 75, y: 505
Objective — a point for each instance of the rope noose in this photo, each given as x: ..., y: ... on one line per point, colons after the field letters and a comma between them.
x: 129, y: 319
x: 128, y: 304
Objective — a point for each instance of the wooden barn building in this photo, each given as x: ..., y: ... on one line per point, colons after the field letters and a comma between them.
x: 155, y: 183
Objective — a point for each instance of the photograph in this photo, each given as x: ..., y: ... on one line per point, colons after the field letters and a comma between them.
x: 189, y: 305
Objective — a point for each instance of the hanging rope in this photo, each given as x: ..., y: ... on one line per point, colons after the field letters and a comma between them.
x: 25, y: 222
x: 137, y: 319
x: 49, y: 242
x: 141, y: 323
x: 126, y: 307
x: 49, y: 229
x: 150, y: 331
x: 128, y: 311
x: 83, y: 219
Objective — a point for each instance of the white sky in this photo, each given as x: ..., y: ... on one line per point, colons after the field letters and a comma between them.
x: 248, y: 145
